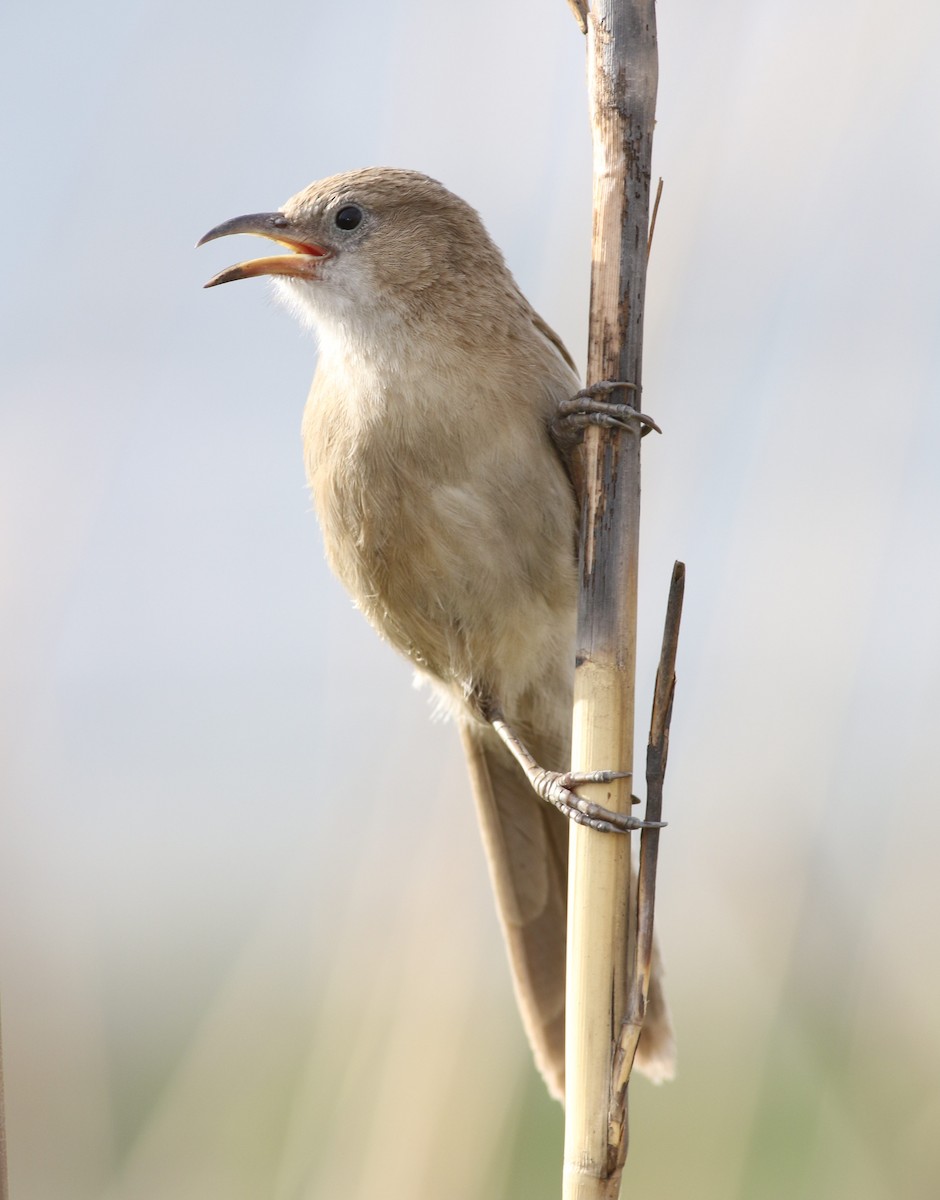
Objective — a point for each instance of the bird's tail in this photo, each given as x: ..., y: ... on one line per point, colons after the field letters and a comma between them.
x: 526, y: 842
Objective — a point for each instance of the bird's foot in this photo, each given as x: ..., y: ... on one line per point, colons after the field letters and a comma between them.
x: 586, y: 408
x: 558, y: 788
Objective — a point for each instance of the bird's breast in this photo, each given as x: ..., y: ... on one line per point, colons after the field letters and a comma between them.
x: 455, y: 536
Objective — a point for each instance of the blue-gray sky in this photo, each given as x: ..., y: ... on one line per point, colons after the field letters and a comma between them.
x: 189, y: 704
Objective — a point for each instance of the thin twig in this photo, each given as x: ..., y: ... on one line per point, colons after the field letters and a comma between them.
x: 659, y: 196
x: 657, y: 751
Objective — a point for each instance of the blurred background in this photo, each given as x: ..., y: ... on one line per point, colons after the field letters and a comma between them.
x: 247, y: 947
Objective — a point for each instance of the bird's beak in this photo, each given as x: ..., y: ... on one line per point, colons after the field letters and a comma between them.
x: 302, y: 263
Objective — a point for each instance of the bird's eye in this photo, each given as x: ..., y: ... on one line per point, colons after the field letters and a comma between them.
x: 348, y: 217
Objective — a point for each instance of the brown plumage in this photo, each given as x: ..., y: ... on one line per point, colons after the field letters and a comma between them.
x: 449, y: 513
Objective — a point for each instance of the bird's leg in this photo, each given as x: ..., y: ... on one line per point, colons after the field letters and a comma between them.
x: 557, y: 786
x: 585, y: 408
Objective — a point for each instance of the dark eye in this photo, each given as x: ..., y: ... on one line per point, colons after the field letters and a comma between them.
x: 348, y: 217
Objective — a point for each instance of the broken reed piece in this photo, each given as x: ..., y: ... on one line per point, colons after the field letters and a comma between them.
x: 657, y: 752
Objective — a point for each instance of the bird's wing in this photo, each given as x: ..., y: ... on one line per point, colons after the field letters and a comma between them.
x: 547, y: 332
x: 526, y: 842
x: 567, y: 442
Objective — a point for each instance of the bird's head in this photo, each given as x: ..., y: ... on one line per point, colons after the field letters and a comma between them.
x: 370, y: 246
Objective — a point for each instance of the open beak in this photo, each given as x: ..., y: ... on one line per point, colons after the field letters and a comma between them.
x: 302, y: 263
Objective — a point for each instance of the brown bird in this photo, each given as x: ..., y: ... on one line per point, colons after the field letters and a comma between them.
x: 440, y: 439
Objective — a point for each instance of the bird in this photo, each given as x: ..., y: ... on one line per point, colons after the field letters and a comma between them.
x: 441, y: 444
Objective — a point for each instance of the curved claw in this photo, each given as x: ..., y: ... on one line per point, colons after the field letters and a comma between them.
x: 584, y: 409
x: 580, y: 420
x: 591, y: 822
x: 555, y: 787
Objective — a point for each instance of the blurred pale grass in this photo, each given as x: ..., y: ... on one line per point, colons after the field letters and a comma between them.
x: 354, y: 1075
x: 369, y: 1048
